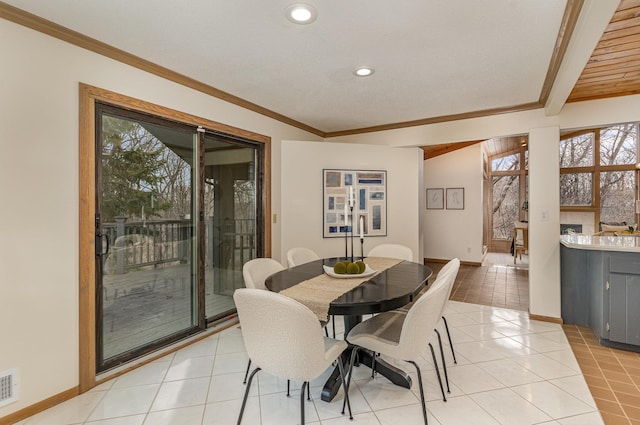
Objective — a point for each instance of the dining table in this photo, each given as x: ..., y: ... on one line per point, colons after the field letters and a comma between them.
x: 384, y: 290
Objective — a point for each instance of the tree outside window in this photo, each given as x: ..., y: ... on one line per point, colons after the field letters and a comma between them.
x: 599, y: 174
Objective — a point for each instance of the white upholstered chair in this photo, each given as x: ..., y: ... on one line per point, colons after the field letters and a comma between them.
x: 255, y: 272
x: 391, y: 250
x: 446, y: 275
x: 300, y: 255
x: 403, y: 335
x: 284, y: 338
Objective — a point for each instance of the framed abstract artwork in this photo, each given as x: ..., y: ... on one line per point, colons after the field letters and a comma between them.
x: 351, y: 197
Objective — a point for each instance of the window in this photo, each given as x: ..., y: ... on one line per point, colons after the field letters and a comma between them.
x: 506, y: 163
x: 598, y: 172
x: 576, y: 189
x: 617, y: 196
x: 577, y: 151
x: 506, y: 192
x: 508, y: 197
x: 619, y: 145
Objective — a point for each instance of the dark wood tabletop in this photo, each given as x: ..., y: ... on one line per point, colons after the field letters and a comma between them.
x: 388, y: 290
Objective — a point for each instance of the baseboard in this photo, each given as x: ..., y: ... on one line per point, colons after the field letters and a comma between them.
x: 39, y: 406
x: 462, y: 263
x: 550, y: 319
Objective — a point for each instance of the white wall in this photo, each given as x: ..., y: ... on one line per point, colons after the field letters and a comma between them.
x: 39, y: 173
x: 455, y: 233
x: 302, y: 165
x: 544, y: 222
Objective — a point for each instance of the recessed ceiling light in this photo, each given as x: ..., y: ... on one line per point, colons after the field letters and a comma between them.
x: 363, y: 71
x: 301, y: 13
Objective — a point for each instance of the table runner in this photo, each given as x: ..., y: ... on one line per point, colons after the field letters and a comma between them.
x: 318, y: 292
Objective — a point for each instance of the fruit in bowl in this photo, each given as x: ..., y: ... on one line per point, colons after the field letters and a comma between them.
x: 347, y: 267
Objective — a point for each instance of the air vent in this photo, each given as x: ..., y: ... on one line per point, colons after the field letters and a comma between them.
x: 8, y: 387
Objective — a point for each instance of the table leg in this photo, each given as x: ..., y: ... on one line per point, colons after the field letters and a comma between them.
x: 392, y: 373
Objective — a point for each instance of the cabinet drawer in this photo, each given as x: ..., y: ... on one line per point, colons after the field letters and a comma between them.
x: 625, y: 263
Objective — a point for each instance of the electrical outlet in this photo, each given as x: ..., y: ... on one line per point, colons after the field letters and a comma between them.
x: 468, y: 250
x: 275, y: 218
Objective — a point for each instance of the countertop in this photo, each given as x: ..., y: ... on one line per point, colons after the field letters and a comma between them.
x: 602, y: 243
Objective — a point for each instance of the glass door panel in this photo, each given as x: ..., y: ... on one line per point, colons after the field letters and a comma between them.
x: 147, y: 280
x: 230, y: 215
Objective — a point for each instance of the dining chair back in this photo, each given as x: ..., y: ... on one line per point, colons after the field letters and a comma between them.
x: 423, y: 315
x: 447, y: 277
x: 256, y: 271
x: 403, y: 336
x: 452, y: 267
x: 284, y: 338
x: 300, y: 255
x: 390, y: 250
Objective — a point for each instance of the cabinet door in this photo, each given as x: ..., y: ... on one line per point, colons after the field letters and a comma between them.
x: 624, y: 308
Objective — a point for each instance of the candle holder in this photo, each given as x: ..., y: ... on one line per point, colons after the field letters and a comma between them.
x: 351, y: 210
x: 362, y: 249
x: 346, y: 239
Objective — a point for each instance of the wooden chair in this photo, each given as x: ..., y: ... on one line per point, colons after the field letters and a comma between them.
x: 520, y: 242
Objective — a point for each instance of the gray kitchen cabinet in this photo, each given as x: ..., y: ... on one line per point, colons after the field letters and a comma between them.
x: 601, y: 289
x: 624, y: 300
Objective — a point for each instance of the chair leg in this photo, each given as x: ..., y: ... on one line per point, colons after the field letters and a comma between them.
x: 247, y: 372
x: 444, y: 363
x: 304, y: 384
x: 344, y: 386
x: 333, y: 325
x: 373, y: 364
x: 435, y: 364
x: 246, y: 394
x: 424, y: 406
x: 288, y: 388
x: 308, y: 392
x: 350, y: 373
x: 446, y: 326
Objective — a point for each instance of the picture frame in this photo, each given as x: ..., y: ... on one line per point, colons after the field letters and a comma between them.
x: 368, y: 188
x: 455, y: 198
x: 435, y: 199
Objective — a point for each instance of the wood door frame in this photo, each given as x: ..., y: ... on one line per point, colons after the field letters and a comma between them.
x: 88, y: 96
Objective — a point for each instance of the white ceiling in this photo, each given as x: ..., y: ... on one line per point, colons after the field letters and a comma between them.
x: 431, y: 57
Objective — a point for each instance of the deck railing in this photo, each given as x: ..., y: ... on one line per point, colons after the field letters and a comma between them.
x: 137, y: 244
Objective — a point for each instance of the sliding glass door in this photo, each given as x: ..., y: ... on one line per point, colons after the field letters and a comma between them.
x: 175, y: 221
x: 231, y: 218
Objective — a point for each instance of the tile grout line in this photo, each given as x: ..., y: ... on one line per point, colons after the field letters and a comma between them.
x: 604, y: 377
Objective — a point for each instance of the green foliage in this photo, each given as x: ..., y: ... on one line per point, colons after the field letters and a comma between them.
x: 132, y: 164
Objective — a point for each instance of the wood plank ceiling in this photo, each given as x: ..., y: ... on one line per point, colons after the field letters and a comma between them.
x: 614, y: 66
x: 612, y: 70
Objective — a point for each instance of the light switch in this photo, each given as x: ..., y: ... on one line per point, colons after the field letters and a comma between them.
x: 275, y: 218
x: 544, y: 216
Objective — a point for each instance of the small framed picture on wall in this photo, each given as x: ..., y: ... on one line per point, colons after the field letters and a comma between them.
x: 435, y: 199
x: 455, y: 198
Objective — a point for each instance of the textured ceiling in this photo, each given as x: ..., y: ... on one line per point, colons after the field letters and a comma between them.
x: 432, y: 58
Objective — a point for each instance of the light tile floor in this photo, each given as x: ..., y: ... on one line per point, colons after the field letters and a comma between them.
x: 510, y: 370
